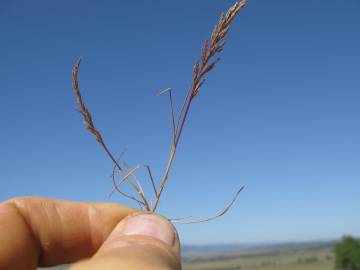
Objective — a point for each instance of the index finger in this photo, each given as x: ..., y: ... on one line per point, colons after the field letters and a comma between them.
x: 36, y: 231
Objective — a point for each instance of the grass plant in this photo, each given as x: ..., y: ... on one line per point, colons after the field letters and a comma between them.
x: 208, y: 60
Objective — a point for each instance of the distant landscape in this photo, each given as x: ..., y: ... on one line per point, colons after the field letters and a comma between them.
x: 294, y: 256
x: 304, y: 256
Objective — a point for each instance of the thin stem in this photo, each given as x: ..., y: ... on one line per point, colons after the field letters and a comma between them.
x: 138, y: 188
x: 172, y: 155
x: 125, y: 177
x: 183, y: 121
x: 151, y: 179
x: 172, y: 116
x: 182, y: 109
x: 165, y: 177
x: 116, y: 187
x: 169, y: 90
x: 123, y: 173
x: 223, y: 212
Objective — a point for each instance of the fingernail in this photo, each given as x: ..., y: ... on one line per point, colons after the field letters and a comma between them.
x: 150, y: 225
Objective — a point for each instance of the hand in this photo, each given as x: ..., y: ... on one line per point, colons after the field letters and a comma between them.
x: 38, y: 231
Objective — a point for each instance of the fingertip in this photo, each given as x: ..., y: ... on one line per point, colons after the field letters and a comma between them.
x: 147, y: 228
x: 139, y: 241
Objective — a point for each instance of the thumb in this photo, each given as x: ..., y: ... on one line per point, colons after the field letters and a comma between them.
x: 141, y: 241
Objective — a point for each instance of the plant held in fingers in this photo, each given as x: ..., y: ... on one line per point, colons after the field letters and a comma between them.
x: 209, y: 59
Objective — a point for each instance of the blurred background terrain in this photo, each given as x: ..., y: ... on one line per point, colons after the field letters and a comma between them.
x: 298, y: 256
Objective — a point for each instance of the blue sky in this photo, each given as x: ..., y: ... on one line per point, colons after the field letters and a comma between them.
x: 279, y: 114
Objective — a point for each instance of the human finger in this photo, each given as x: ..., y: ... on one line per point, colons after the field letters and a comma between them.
x: 141, y: 241
x: 37, y: 231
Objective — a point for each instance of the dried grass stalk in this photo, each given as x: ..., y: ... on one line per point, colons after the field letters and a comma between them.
x: 208, y: 52
x: 83, y: 110
x: 208, y: 60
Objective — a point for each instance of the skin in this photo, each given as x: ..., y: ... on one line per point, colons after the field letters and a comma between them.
x: 42, y: 232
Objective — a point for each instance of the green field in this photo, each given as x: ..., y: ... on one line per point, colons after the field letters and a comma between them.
x: 320, y: 258
x: 294, y: 257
